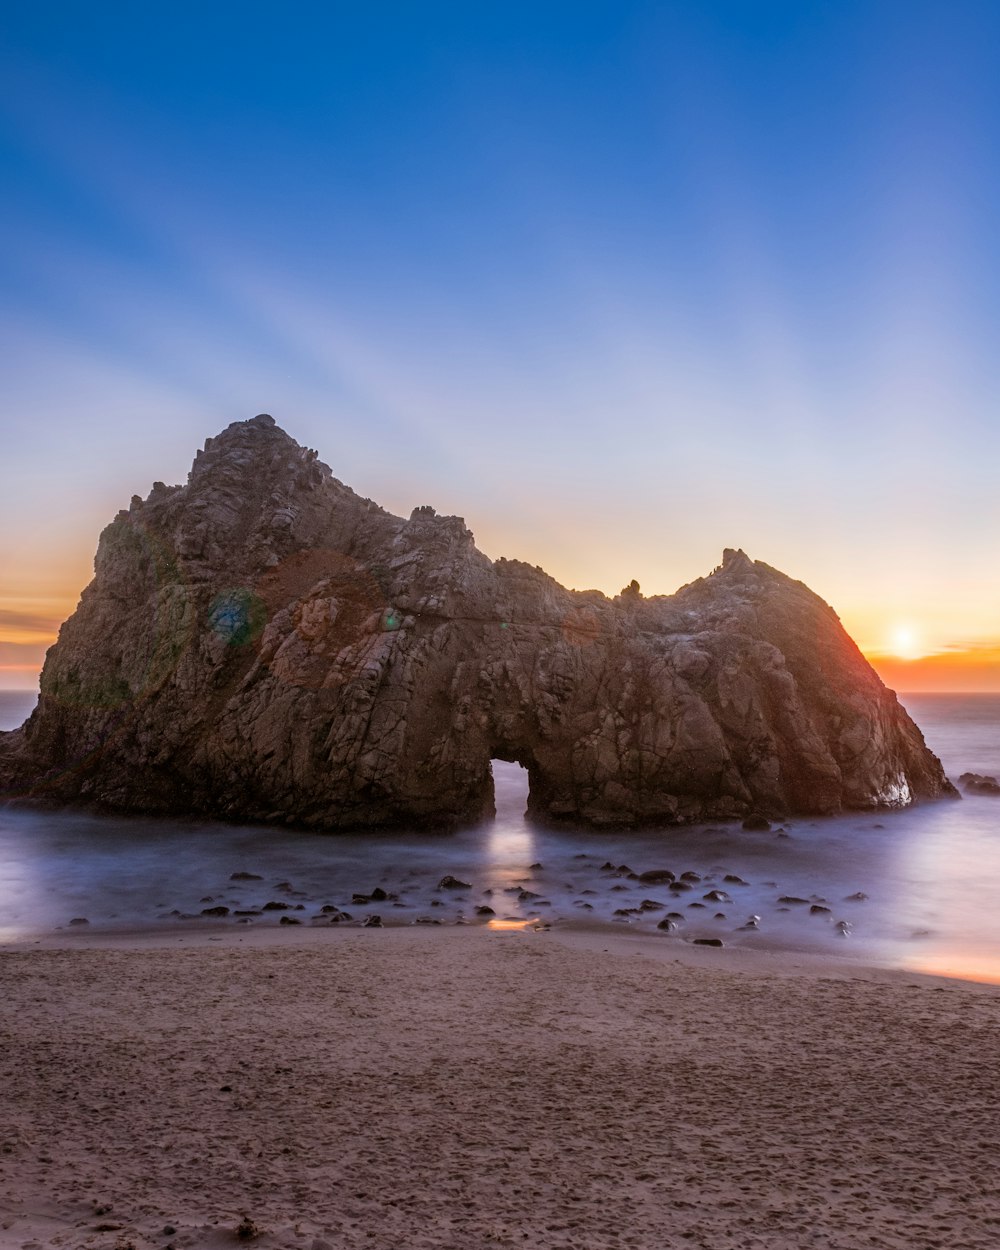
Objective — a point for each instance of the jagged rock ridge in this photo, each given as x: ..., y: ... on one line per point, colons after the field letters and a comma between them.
x: 263, y: 644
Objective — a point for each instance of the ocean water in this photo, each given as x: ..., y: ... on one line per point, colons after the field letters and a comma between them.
x: 931, y: 873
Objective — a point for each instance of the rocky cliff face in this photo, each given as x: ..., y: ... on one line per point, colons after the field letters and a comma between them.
x: 263, y: 644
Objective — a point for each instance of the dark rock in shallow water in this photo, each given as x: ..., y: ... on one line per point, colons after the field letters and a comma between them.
x: 79, y: 920
x: 709, y: 942
x: 756, y: 823
x: 452, y: 883
x: 978, y: 783
x: 656, y: 876
x: 245, y: 876
x: 289, y: 920
x: 262, y: 644
x: 215, y: 911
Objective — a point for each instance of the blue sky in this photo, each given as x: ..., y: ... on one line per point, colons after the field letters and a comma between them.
x: 620, y: 283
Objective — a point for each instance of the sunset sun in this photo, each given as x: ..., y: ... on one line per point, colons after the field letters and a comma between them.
x: 904, y: 642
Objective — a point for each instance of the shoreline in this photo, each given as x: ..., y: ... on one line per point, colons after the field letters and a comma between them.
x: 594, y: 937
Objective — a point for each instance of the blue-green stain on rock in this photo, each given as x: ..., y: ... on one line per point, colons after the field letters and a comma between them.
x: 391, y: 619
x: 238, y: 616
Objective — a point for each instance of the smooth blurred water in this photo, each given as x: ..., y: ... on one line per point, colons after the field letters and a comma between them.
x: 15, y: 707
x: 932, y: 872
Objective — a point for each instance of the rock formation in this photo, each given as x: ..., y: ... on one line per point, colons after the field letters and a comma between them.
x: 262, y: 644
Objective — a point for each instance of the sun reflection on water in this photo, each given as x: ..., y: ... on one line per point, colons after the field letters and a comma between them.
x: 963, y: 966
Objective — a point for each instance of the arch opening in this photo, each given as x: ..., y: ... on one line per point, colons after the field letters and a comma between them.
x: 511, y: 788
x: 510, y: 840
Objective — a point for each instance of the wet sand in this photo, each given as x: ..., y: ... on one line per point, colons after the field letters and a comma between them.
x: 463, y: 1088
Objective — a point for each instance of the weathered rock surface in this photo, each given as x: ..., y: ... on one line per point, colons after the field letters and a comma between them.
x: 263, y: 644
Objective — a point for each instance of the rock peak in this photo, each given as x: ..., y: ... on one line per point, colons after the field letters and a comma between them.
x: 735, y: 559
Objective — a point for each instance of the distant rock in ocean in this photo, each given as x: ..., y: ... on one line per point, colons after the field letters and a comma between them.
x: 262, y: 644
x: 977, y: 783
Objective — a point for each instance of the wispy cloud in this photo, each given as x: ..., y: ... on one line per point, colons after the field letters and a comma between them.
x: 14, y: 620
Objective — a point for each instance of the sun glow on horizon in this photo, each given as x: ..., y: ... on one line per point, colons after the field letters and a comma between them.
x: 905, y: 642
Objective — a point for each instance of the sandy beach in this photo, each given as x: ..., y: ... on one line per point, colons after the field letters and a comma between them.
x: 464, y: 1088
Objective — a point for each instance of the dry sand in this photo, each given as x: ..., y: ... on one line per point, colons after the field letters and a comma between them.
x: 462, y: 1088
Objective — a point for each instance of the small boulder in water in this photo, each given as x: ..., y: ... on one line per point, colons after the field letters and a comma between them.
x: 756, y: 823
x: 449, y: 882
x: 979, y: 783
x: 709, y: 942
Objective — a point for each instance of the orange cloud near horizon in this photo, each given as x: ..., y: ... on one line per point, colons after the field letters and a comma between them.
x: 974, y: 669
